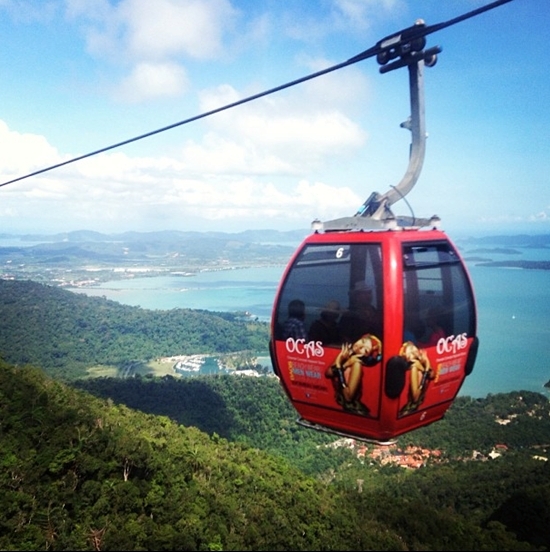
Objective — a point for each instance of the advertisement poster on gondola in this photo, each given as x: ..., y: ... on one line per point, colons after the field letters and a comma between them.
x: 347, y: 378
x: 351, y: 378
x: 434, y: 373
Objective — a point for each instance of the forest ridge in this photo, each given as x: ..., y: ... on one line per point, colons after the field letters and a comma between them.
x: 232, y: 471
x: 66, y: 333
x: 218, y: 463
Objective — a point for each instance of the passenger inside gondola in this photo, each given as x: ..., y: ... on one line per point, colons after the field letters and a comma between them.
x: 434, y: 332
x: 325, y: 329
x: 362, y: 317
x: 294, y: 326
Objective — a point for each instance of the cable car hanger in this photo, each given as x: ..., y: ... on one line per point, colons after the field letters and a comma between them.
x: 407, y: 49
x: 376, y: 212
x: 407, y: 45
x: 374, y: 332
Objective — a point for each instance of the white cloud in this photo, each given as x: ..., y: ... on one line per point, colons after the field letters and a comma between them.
x: 247, y: 201
x: 145, y: 30
x: 294, y: 134
x: 254, y: 163
x: 116, y: 190
x: 359, y: 13
x: 149, y: 81
x: 167, y: 27
x: 154, y: 39
x: 218, y: 155
x: 349, y: 87
x: 22, y: 153
x: 349, y: 16
x: 541, y: 216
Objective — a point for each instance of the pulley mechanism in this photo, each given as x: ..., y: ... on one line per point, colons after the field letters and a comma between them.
x: 405, y: 48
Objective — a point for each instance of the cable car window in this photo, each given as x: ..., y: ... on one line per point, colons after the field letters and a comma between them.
x: 438, y: 299
x: 429, y: 254
x: 327, y: 279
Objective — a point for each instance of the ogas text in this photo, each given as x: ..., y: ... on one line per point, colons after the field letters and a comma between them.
x: 309, y: 349
x: 452, y: 344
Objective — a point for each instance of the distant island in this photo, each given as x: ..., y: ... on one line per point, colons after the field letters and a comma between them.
x: 533, y: 265
x: 499, y: 250
x: 85, y: 258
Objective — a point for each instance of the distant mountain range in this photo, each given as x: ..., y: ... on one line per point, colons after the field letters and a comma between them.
x: 139, y: 247
x: 516, y: 240
x: 248, y: 236
x: 169, y: 236
x: 251, y: 247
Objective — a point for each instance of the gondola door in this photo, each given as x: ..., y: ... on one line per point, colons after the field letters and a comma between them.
x: 439, y: 341
x: 333, y: 373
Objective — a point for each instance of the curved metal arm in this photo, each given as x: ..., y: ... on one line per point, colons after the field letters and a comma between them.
x: 376, y: 212
x: 417, y: 125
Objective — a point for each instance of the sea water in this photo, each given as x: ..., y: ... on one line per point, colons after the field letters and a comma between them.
x: 513, y: 317
x: 513, y: 313
x: 249, y: 290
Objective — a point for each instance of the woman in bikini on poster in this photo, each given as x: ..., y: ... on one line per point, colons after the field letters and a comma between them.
x: 347, y: 372
x: 421, y: 373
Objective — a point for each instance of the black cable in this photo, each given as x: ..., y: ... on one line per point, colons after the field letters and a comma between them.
x: 190, y: 120
x: 376, y: 49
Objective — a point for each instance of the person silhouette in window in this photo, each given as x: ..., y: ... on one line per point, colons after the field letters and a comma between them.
x: 325, y: 329
x: 362, y: 317
x: 434, y: 332
x: 294, y: 326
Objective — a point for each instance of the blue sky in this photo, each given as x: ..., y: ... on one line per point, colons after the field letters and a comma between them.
x: 78, y: 76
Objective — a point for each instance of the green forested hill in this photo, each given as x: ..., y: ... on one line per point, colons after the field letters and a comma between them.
x: 257, y: 412
x: 65, y: 332
x: 254, y: 411
x: 80, y: 473
x: 218, y: 463
x: 83, y: 474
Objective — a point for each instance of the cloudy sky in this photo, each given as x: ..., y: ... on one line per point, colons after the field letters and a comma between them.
x: 79, y: 76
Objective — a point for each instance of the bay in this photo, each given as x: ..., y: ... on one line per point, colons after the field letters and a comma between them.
x: 513, y: 317
x: 513, y: 313
x: 244, y: 289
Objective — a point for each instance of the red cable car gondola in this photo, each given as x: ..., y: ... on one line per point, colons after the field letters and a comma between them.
x: 373, y: 327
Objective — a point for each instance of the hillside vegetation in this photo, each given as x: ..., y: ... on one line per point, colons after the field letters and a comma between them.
x: 218, y: 462
x: 79, y: 473
x: 83, y: 474
x: 65, y: 333
x: 257, y: 412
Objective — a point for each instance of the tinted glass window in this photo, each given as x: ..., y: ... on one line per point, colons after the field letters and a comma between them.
x: 437, y: 292
x: 329, y: 280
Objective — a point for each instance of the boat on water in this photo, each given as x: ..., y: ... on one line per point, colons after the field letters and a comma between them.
x: 191, y: 363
